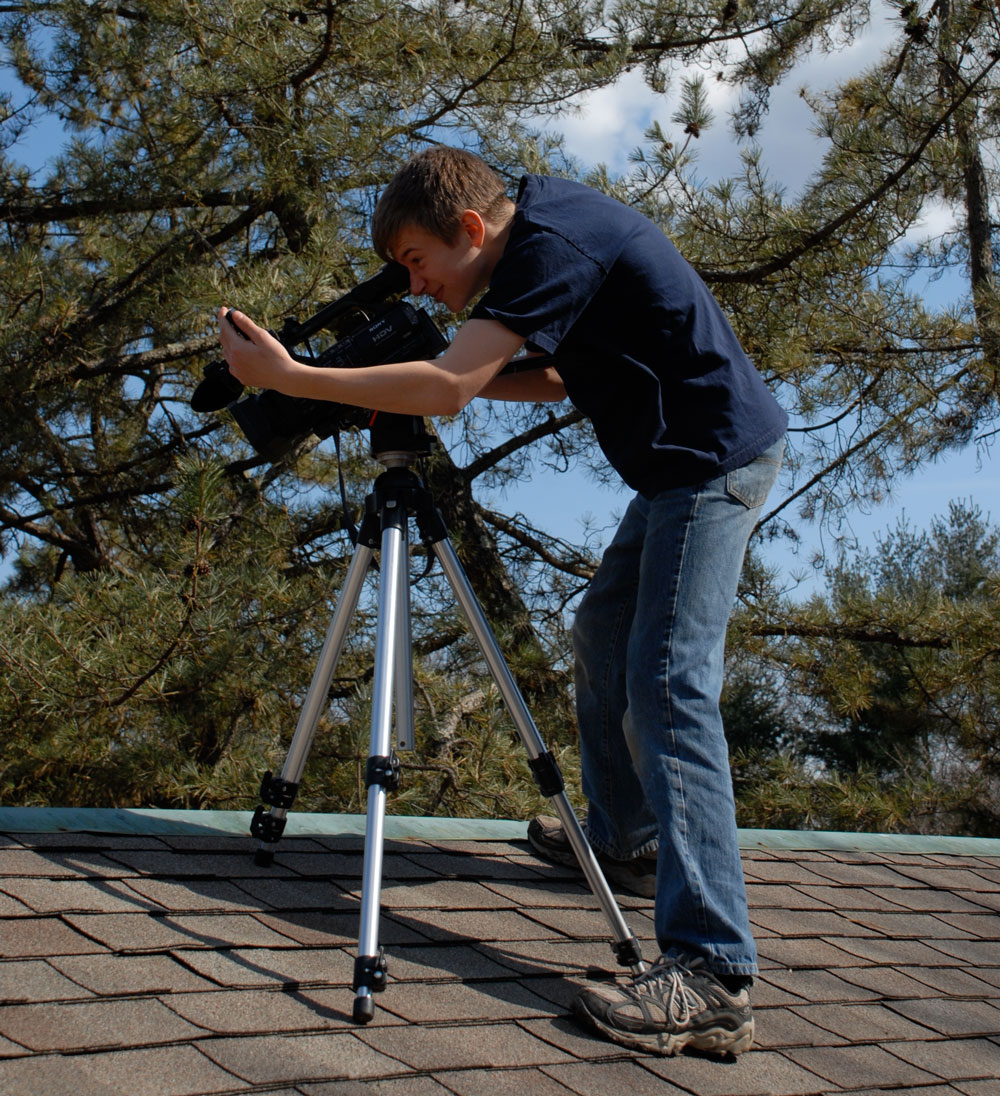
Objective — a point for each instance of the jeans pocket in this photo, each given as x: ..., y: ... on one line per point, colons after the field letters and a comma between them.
x: 752, y: 483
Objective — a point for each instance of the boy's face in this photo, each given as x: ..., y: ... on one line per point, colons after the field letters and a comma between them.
x: 451, y: 273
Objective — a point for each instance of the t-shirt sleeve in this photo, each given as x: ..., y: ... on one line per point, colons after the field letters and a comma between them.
x: 540, y: 286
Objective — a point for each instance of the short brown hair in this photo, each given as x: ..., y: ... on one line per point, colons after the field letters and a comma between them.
x: 431, y: 191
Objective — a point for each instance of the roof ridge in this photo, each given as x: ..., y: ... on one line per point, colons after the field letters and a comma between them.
x: 150, y: 822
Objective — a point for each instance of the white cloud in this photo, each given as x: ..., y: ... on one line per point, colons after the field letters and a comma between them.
x: 936, y: 218
x: 610, y: 123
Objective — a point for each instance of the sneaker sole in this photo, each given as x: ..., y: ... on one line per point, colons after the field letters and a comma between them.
x: 717, y: 1040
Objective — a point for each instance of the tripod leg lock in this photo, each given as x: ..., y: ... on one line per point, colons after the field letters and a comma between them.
x: 627, y: 952
x: 265, y: 827
x: 278, y: 792
x: 371, y: 971
x: 546, y: 773
x: 383, y: 770
x: 370, y: 533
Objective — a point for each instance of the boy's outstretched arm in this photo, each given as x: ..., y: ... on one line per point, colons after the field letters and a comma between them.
x: 543, y: 385
x: 442, y: 386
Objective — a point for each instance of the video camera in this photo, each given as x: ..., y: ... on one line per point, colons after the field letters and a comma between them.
x: 371, y: 329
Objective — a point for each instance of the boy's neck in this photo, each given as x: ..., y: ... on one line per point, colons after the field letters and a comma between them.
x: 497, y: 234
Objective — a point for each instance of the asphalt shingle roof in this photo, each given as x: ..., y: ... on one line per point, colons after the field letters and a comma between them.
x: 169, y: 964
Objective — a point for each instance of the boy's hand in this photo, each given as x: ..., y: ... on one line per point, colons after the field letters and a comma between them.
x: 254, y: 356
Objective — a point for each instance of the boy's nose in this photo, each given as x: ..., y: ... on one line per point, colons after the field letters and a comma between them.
x: 417, y: 284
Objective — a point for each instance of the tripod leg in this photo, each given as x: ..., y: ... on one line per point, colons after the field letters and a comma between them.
x: 280, y: 792
x: 404, y: 657
x: 382, y: 774
x: 543, y: 765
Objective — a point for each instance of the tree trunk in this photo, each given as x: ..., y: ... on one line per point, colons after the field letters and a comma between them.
x: 501, y: 602
x: 976, y: 199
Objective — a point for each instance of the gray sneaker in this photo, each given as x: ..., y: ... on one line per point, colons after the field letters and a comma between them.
x: 549, y: 840
x: 675, y: 1004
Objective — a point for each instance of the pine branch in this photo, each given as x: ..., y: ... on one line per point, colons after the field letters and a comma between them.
x: 831, y: 228
x: 842, y: 458
x: 709, y: 38
x: 296, y: 80
x: 130, y: 364
x: 48, y: 211
x: 840, y: 633
x: 192, y: 241
x: 57, y: 539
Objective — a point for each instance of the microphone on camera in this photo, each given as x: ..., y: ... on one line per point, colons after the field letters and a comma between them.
x: 217, y: 390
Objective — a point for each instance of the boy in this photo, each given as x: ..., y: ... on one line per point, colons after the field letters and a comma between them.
x: 643, y: 349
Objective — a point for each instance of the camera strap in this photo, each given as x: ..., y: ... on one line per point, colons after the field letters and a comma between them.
x: 352, y: 529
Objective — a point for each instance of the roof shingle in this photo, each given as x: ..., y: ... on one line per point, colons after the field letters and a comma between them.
x: 169, y: 964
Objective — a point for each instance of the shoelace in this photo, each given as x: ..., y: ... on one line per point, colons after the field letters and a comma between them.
x: 666, y: 979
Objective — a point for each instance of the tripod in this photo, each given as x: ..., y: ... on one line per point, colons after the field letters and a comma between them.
x: 398, y: 495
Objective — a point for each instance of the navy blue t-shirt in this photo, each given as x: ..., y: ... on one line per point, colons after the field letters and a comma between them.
x: 639, y: 341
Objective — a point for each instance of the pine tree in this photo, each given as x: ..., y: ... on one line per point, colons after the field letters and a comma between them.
x: 171, y: 590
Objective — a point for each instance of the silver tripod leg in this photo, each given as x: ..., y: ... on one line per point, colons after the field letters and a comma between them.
x: 280, y: 792
x: 383, y: 768
x: 405, y: 738
x: 543, y: 765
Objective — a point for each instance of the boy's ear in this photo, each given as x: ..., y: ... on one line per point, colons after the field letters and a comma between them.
x: 473, y: 227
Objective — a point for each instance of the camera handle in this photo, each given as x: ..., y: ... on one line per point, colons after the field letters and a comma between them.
x: 397, y: 496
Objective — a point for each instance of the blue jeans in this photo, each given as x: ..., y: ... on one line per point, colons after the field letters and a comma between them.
x: 649, y: 639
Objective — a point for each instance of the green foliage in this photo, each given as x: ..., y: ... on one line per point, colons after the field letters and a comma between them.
x: 779, y: 792
x: 155, y: 682
x: 176, y: 683
x: 926, y: 705
x: 897, y: 671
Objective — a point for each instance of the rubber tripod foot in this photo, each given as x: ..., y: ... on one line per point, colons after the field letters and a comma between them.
x: 364, y: 1010
x: 263, y: 858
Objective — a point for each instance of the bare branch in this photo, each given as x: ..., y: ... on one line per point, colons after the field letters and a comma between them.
x: 571, y: 564
x: 552, y: 425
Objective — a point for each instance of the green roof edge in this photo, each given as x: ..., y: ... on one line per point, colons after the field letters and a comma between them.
x: 149, y: 822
